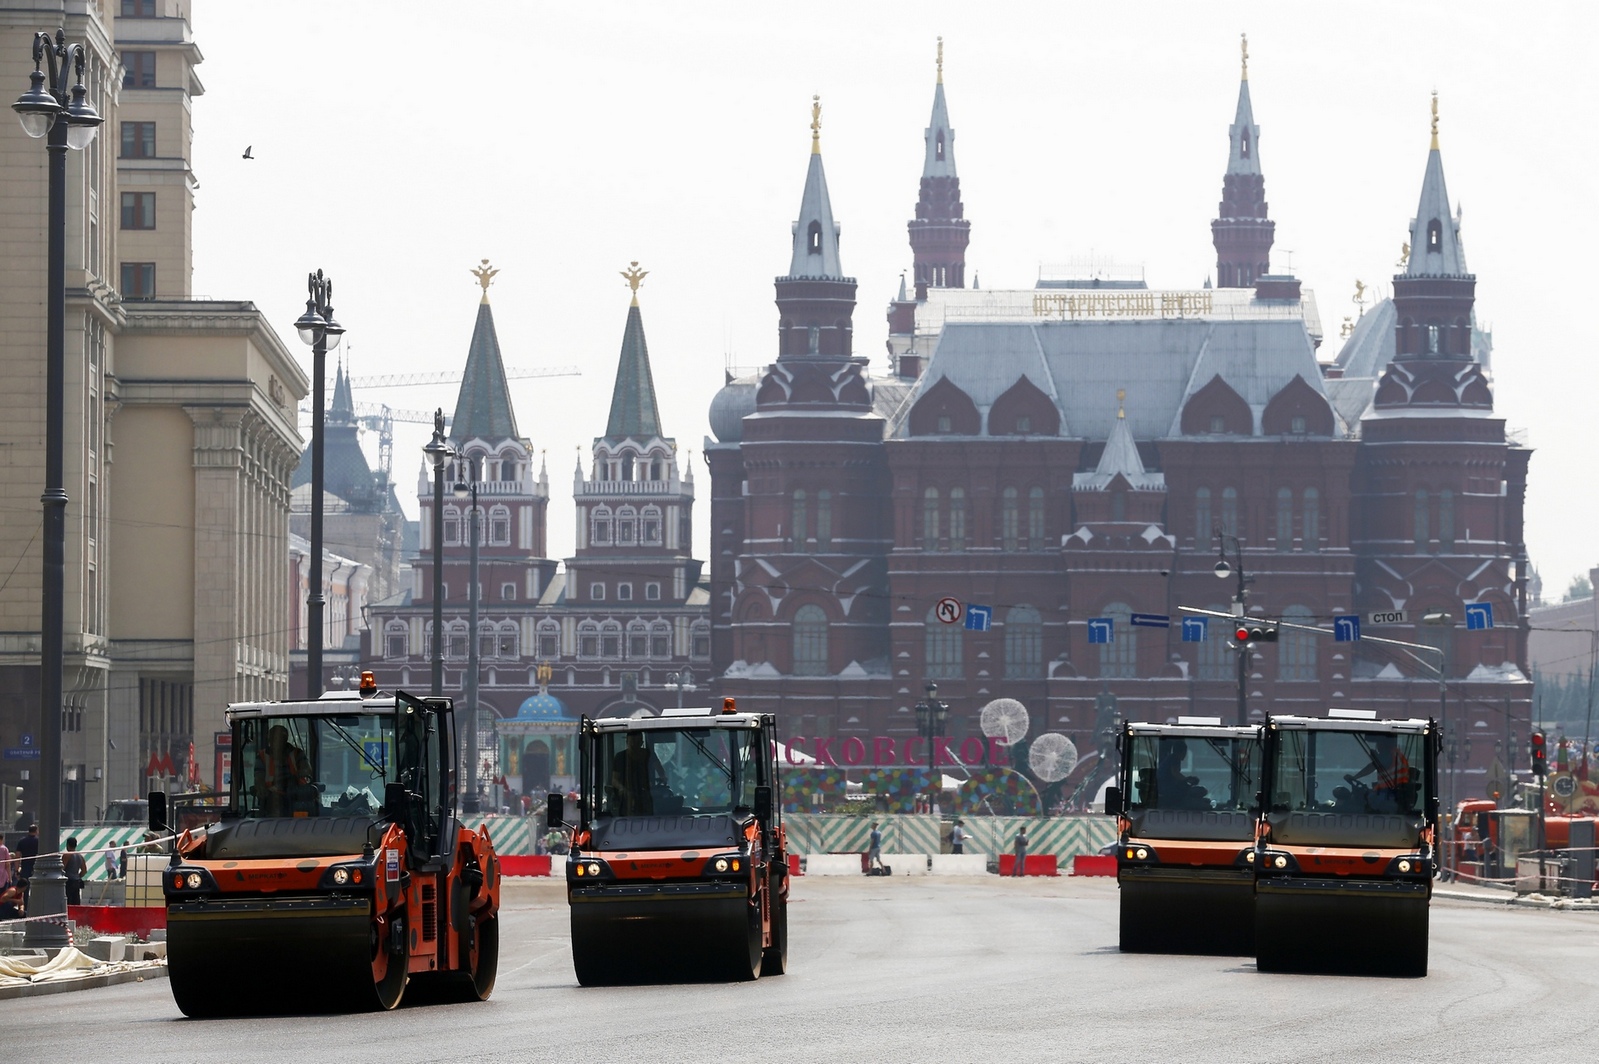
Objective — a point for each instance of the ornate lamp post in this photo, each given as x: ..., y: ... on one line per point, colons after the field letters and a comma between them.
x: 438, y: 452
x: 683, y: 681
x: 47, y: 108
x: 930, y: 717
x: 464, y: 490
x: 321, y: 333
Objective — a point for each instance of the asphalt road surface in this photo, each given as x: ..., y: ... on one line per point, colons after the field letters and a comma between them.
x: 988, y: 970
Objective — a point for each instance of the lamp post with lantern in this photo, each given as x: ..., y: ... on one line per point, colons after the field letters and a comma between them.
x: 1223, y: 570
x: 466, y: 491
x: 319, y: 331
x: 438, y: 453
x: 68, y: 122
x: 931, y: 715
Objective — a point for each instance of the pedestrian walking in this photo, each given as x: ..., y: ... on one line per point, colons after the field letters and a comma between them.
x: 76, y: 869
x: 27, y: 854
x: 957, y: 837
x: 874, y: 849
x: 1020, y: 849
x: 110, y: 856
x: 5, y: 865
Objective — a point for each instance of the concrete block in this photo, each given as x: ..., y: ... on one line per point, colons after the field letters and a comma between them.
x: 105, y: 948
x: 960, y: 864
x: 906, y: 864
x: 147, y: 951
x: 833, y: 864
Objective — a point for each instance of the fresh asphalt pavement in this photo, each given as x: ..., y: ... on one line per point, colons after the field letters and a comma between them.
x: 912, y: 969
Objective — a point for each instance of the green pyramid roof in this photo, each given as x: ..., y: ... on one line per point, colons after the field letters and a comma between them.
x: 633, y: 410
x: 483, y: 408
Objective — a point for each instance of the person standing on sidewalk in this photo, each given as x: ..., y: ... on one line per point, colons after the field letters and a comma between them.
x: 1020, y: 849
x: 957, y: 837
x: 874, y: 849
x: 5, y: 865
x: 76, y: 869
x: 27, y: 853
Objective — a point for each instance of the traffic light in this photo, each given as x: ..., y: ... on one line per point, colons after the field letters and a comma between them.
x: 1540, y: 754
x: 1256, y: 633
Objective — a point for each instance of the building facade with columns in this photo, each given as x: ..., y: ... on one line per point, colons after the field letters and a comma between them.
x: 180, y: 429
x: 604, y: 633
x: 1085, y: 451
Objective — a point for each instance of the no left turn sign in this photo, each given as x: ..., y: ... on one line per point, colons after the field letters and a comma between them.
x: 948, y: 610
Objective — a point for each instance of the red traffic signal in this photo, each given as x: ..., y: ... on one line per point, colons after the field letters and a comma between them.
x: 1256, y: 633
x: 1540, y: 754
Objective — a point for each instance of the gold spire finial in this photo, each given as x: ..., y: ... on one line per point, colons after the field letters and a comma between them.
x: 1404, y: 254
x: 1121, y: 399
x: 941, y: 60
x: 635, y: 277
x: 485, y: 276
x: 1243, y: 47
x: 816, y: 125
x: 1434, y: 119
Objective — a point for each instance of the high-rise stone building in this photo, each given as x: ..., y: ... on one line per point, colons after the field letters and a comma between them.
x: 612, y: 631
x: 1072, y: 455
x: 180, y: 428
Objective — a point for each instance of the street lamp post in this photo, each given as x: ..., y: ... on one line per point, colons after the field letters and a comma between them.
x: 321, y: 333
x: 683, y: 680
x: 438, y: 452
x: 1223, y: 570
x: 931, y: 715
x: 70, y: 122
x: 465, y: 490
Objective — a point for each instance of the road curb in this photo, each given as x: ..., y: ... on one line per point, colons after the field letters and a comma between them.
x: 88, y: 982
x: 1517, y: 901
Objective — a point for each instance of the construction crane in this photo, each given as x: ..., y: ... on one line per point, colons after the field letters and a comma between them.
x: 413, y: 380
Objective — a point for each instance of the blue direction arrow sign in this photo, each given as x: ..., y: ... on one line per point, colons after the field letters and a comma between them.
x: 1101, y: 629
x: 1346, y: 629
x: 1195, y: 629
x: 1150, y: 620
x: 979, y: 618
x: 1479, y: 615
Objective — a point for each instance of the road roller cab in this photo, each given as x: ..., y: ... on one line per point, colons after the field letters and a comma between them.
x: 337, y: 873
x: 1347, y: 843
x: 678, y: 867
x: 1185, y: 815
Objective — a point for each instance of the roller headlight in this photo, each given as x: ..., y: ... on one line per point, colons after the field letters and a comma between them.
x: 345, y: 876
x: 720, y: 864
x: 1143, y: 854
x: 1249, y: 856
x: 1404, y: 864
x: 341, y: 876
x: 1279, y: 861
x: 724, y: 864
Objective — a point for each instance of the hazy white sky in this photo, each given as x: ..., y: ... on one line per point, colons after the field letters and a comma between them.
x: 397, y: 144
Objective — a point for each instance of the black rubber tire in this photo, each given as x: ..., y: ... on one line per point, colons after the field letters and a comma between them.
x: 745, y: 959
x: 476, y: 983
x: 774, y: 961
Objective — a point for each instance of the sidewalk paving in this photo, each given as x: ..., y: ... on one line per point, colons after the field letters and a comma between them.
x: 69, y: 970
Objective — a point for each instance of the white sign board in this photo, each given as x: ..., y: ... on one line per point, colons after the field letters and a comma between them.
x: 1387, y: 617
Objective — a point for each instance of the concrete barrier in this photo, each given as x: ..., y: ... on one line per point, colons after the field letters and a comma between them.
x: 1094, y: 864
x: 1037, y: 864
x: 906, y: 864
x: 528, y: 864
x: 833, y: 864
x: 960, y: 864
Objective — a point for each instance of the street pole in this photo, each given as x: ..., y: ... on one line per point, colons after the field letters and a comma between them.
x: 464, y: 491
x: 316, y: 328
x: 1223, y: 571
x: 438, y: 452
x: 68, y: 125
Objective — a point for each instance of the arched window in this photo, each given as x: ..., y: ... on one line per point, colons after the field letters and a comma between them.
x: 1119, y: 657
x: 810, y: 641
x: 813, y: 239
x: 1024, y: 644
x: 1296, y: 650
x: 1435, y: 236
x: 455, y: 636
x: 930, y: 519
x: 626, y: 526
x: 824, y: 520
x: 487, y: 639
x: 638, y: 640
x: 1446, y: 521
x: 1009, y: 518
x: 1035, y: 519
x: 1229, y: 512
x: 588, y: 640
x: 1118, y: 504
x: 699, y: 638
x: 1312, y: 530
x: 939, y: 150
x: 957, y: 518
x: 1422, y: 535
x: 611, y: 640
x: 942, y: 649
x: 549, y: 637
x: 660, y: 640
x: 508, y: 468
x: 1243, y: 144
x: 1202, y: 529
x: 796, y: 530
x: 1216, y: 658
x: 452, y: 526
x: 627, y: 466
x: 500, y: 526
x: 650, y: 527
x: 1285, y: 520
x: 395, y: 639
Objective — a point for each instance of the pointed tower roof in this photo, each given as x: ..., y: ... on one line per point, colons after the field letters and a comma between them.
x: 1243, y: 155
x: 816, y: 234
x: 1435, y: 245
x: 940, y: 161
x: 1120, y: 458
x: 633, y: 409
x: 483, y: 407
x: 343, y: 409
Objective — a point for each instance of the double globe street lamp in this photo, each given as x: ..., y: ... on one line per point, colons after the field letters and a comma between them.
x: 68, y: 122
x: 931, y: 716
x: 466, y: 491
x: 439, y: 452
x: 319, y: 331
